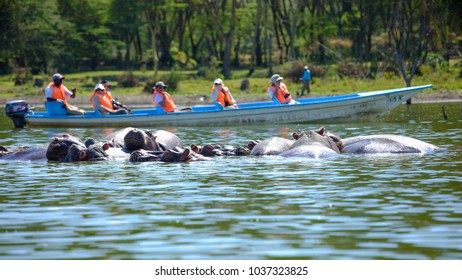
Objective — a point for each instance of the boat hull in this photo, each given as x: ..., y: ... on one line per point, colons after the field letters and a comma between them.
x: 365, y: 106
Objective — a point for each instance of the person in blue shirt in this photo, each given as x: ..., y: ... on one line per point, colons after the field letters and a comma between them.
x: 306, y: 79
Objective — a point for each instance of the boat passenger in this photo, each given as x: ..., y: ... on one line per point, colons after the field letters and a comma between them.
x: 163, y: 100
x: 56, y: 91
x: 278, y: 91
x: 221, y: 96
x: 115, y: 102
x: 102, y: 102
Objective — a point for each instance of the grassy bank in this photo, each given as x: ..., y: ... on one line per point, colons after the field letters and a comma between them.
x: 445, y: 83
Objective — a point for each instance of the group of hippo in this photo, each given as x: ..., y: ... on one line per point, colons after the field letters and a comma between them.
x: 138, y: 145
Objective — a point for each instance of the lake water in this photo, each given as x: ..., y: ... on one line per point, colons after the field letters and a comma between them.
x: 351, y: 207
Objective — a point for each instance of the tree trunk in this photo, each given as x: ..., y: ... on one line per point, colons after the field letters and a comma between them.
x: 153, y: 32
x: 257, y: 54
x: 411, y: 46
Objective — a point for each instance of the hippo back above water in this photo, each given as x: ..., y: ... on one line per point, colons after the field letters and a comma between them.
x: 24, y: 153
x: 271, y: 146
x: 385, y: 143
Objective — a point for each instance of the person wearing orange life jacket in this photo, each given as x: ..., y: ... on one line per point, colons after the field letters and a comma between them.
x: 278, y: 91
x: 107, y: 88
x: 221, y: 96
x: 57, y: 92
x: 116, y: 104
x: 102, y: 102
x: 163, y: 100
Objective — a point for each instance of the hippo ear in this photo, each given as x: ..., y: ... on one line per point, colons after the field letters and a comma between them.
x: 295, y: 135
x: 71, y: 149
x: 321, y: 131
x: 89, y: 142
x: 252, y: 144
x: 82, y: 155
x: 105, y: 146
x: 195, y: 148
x: 186, y: 152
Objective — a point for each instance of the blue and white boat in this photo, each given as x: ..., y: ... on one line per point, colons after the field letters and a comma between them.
x: 364, y: 106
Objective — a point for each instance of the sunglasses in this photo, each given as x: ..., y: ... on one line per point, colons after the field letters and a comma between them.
x: 100, y: 90
x: 218, y: 84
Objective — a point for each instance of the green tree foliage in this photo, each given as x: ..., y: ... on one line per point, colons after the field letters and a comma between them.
x: 25, y: 36
x: 74, y: 35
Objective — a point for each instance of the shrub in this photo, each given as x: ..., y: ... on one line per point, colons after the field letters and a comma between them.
x: 21, y: 75
x: 172, y: 80
x: 148, y: 86
x: 128, y: 80
x: 351, y: 69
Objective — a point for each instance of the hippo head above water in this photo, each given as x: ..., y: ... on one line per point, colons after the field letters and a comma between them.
x: 92, y: 153
x: 142, y: 155
x: 59, y: 146
x: 329, y: 139
x: 136, y: 139
x: 171, y: 155
x: 159, y: 140
x: 313, y: 137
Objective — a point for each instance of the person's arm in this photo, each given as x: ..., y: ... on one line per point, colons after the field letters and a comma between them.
x: 49, y: 94
x: 272, y: 95
x: 276, y: 93
x: 214, y: 94
x: 286, y: 96
x: 231, y: 97
x: 159, y: 100
x: 69, y: 93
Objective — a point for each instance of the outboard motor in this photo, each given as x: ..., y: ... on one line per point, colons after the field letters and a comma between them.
x: 17, y: 110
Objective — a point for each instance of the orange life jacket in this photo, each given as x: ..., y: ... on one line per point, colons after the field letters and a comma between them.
x: 58, y: 92
x: 104, y: 100
x: 282, y: 93
x: 224, y: 97
x: 169, y: 105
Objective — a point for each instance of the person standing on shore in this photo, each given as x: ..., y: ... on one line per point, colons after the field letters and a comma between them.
x: 56, y: 91
x: 306, y: 79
